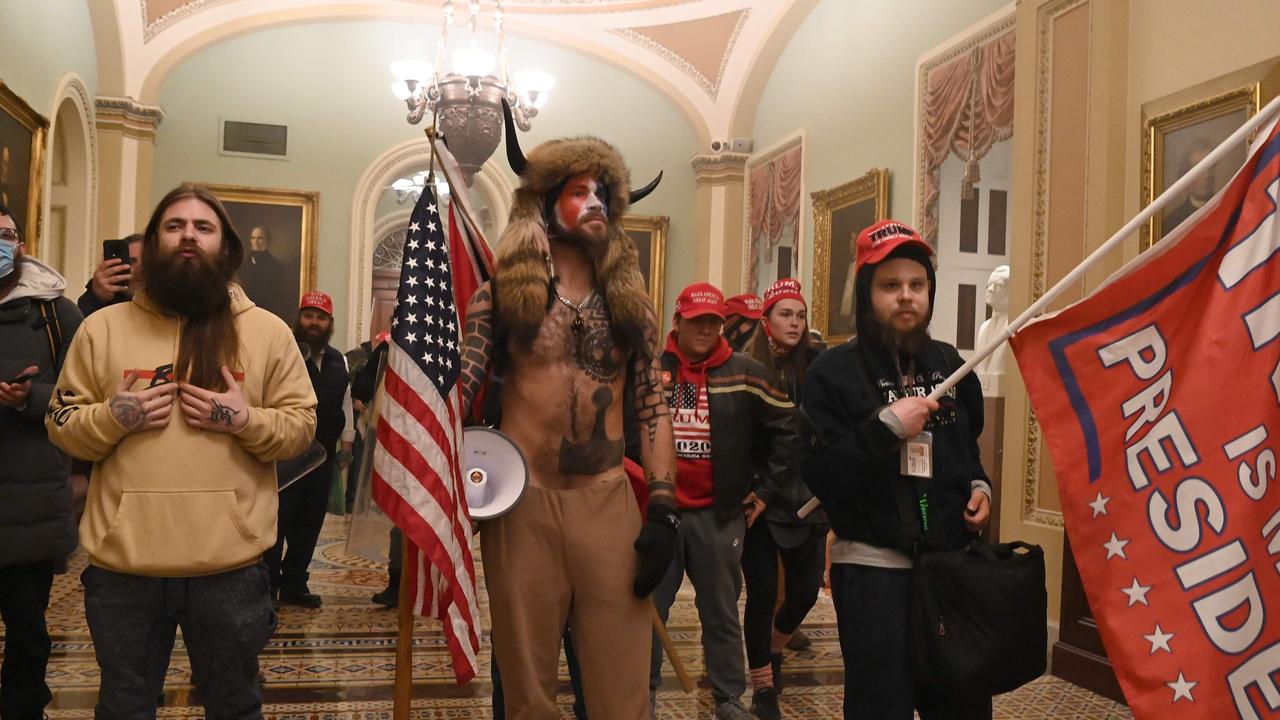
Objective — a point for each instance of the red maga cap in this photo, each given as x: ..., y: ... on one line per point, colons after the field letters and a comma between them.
x: 784, y: 289
x: 876, y: 242
x: 700, y: 299
x: 745, y: 305
x: 318, y: 300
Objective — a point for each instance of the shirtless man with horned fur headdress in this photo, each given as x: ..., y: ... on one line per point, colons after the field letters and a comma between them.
x: 568, y: 323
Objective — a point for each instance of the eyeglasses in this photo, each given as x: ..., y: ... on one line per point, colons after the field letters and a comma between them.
x: 10, y: 235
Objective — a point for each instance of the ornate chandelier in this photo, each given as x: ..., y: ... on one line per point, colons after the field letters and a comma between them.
x: 467, y: 100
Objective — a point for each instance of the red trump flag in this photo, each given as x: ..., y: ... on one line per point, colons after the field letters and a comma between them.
x: 1159, y: 399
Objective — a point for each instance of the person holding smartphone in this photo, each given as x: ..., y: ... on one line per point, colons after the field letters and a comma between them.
x: 37, y: 525
x: 113, y: 280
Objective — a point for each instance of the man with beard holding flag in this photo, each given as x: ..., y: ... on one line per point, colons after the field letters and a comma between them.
x: 183, y: 398
x: 567, y: 322
x: 874, y: 443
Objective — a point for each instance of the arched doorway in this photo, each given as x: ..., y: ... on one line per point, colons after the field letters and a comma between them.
x: 67, y: 241
x: 376, y: 214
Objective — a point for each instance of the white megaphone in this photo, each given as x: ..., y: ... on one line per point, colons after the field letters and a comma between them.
x: 494, y: 472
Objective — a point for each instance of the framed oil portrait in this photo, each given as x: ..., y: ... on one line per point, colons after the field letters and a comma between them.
x: 1174, y: 141
x: 649, y: 233
x: 22, y: 137
x: 839, y: 214
x: 279, y: 232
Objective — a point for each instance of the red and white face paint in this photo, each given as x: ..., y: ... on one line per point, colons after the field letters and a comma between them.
x: 581, y: 208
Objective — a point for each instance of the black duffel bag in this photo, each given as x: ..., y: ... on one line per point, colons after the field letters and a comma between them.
x: 978, y: 618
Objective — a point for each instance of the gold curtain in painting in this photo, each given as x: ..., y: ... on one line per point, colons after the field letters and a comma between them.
x: 968, y: 107
x: 775, y: 203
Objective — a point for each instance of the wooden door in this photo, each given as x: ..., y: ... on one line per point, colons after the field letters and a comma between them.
x: 1078, y: 656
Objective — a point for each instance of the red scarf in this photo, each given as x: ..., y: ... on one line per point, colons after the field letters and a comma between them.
x: 696, y: 373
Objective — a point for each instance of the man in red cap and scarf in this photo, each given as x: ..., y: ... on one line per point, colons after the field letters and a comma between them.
x: 303, y: 504
x: 722, y: 407
x: 741, y: 316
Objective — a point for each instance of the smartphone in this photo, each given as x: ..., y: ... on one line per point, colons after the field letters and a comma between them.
x: 118, y: 249
x: 24, y: 377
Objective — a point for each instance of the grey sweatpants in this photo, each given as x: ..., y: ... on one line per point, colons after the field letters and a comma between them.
x: 226, y: 620
x: 709, y: 550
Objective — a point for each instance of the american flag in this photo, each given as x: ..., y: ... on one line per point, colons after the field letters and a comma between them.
x: 417, y: 479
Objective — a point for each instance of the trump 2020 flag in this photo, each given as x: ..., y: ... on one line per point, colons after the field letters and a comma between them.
x: 1159, y: 398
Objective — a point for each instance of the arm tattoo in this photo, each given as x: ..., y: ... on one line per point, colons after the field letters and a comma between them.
x: 650, y: 403
x: 477, y: 344
x: 662, y: 491
x: 222, y: 414
x: 127, y: 410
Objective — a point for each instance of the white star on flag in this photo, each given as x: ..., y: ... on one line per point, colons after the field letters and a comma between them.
x: 411, y: 281
x: 413, y: 227
x: 411, y: 337
x: 1137, y: 593
x: 411, y: 262
x: 431, y: 226
x: 411, y: 318
x: 413, y: 244
x: 1159, y: 640
x: 1115, y: 547
x: 413, y: 299
x: 1099, y: 505
x: 1182, y: 688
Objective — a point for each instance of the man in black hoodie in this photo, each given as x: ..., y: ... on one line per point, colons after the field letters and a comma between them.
x: 865, y: 408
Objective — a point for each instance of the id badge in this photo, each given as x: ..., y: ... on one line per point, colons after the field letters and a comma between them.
x: 917, y: 456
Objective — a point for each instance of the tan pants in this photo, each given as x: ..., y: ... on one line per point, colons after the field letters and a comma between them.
x: 567, y: 556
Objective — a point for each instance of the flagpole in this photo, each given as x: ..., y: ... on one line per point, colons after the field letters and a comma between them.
x: 402, y: 702
x: 1163, y: 200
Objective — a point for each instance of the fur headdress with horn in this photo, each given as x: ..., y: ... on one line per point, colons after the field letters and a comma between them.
x: 522, y: 271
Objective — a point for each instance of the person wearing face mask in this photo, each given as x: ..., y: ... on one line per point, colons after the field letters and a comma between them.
x: 37, y: 523
x: 780, y: 342
x: 722, y: 405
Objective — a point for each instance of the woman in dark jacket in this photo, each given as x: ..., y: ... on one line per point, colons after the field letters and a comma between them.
x: 781, y: 342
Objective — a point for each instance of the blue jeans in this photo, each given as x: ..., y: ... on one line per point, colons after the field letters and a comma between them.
x: 226, y: 620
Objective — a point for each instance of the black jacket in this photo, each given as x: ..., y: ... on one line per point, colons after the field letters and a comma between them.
x: 330, y: 382
x: 746, y: 412
x: 851, y: 458
x: 36, y: 519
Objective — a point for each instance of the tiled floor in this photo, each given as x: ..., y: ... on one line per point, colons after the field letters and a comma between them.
x: 338, y: 662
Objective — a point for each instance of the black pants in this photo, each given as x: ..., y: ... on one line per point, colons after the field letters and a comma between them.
x: 302, y: 508
x: 871, y: 613
x: 226, y: 620
x: 803, y: 566
x: 353, y: 470
x: 575, y: 679
x: 24, y: 597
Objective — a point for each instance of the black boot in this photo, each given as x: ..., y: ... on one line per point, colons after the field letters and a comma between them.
x: 300, y: 596
x: 390, y: 596
x: 764, y: 704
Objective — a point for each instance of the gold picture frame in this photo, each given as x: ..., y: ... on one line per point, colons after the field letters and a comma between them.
x: 649, y: 233
x: 291, y: 218
x: 1184, y: 135
x: 841, y: 213
x: 22, y: 139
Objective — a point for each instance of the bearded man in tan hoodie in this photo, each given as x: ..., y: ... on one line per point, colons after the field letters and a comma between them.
x: 183, y: 398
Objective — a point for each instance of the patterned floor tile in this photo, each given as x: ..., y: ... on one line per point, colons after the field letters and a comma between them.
x: 340, y: 659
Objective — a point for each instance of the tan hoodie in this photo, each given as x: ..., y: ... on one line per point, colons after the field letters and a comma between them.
x: 177, y: 501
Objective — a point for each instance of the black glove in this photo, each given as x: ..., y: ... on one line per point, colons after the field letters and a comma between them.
x: 657, y: 547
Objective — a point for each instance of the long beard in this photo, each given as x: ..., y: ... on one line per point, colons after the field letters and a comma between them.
x: 193, y: 289
x: 10, y: 281
x: 316, y: 341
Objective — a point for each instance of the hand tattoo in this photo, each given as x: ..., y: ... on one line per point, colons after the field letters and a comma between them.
x: 127, y: 410
x: 222, y: 414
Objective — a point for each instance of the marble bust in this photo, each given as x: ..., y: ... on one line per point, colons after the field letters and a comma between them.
x: 997, y: 296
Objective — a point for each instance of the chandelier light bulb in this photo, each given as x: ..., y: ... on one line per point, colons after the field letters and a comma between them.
x: 400, y: 89
x: 412, y: 69
x: 534, y: 82
x: 473, y: 61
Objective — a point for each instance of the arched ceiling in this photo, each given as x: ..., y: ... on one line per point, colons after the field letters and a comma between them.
x: 711, y: 57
